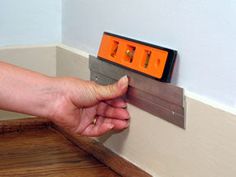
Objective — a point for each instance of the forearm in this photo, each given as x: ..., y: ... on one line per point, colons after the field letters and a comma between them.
x: 25, y: 91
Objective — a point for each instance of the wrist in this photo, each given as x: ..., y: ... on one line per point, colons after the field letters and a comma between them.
x: 56, y: 97
x: 50, y: 93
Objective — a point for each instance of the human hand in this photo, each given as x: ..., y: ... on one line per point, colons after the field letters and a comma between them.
x: 89, y: 109
x: 83, y: 107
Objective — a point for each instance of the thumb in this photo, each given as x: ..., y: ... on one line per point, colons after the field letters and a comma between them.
x: 114, y: 90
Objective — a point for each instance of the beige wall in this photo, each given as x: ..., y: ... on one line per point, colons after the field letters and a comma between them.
x: 37, y: 58
x: 207, y: 148
x: 70, y: 62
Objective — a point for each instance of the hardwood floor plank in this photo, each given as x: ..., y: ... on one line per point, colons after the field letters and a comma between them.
x: 17, y: 125
x: 46, y: 153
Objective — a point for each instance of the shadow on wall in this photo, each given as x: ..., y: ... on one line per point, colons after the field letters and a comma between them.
x: 122, y: 138
x: 175, y: 74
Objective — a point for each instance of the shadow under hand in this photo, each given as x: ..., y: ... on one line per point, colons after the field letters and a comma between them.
x: 115, y: 140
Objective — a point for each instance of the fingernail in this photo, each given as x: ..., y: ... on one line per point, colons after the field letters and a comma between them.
x: 124, y: 105
x: 111, y: 126
x: 123, y: 82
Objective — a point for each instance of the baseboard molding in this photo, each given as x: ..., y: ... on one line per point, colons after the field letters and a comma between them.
x: 210, y: 102
x: 74, y: 50
x: 72, y: 62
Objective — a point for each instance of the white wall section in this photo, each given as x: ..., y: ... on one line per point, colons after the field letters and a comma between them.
x: 203, y: 32
x: 27, y: 22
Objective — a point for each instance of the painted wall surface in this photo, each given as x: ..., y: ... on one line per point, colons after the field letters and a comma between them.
x: 203, y: 32
x: 39, y: 58
x: 71, y: 63
x: 30, y: 22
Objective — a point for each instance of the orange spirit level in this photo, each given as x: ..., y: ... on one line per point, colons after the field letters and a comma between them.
x: 155, y: 61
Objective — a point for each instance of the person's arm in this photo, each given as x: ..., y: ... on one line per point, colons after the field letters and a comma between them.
x: 80, y: 106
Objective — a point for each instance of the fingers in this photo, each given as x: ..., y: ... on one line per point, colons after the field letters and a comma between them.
x: 118, y: 103
x: 104, y: 125
x: 104, y: 114
x: 97, y: 129
x: 117, y: 123
x: 106, y: 110
x: 112, y: 91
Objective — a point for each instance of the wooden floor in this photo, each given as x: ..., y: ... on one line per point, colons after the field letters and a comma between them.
x: 46, y: 153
